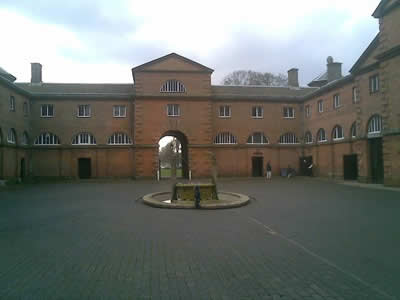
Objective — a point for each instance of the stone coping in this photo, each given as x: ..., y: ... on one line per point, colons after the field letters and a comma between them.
x: 226, y: 200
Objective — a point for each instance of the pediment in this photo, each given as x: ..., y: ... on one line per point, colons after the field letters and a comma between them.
x: 172, y: 63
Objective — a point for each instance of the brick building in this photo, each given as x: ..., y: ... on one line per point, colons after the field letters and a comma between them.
x: 348, y: 127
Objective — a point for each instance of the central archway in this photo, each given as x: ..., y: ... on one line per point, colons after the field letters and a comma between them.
x: 178, y: 141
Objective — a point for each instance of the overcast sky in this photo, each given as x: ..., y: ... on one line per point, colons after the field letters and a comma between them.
x: 100, y: 41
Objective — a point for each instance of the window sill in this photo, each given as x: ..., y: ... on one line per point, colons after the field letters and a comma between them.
x: 257, y: 117
x: 289, y: 117
x: 174, y: 116
x: 47, y: 117
x: 224, y: 117
x: 338, y: 139
x: 119, y: 117
x: 84, y: 116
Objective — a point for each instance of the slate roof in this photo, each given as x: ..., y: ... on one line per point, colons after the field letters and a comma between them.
x: 259, y: 93
x: 8, y: 76
x: 319, y: 81
x: 79, y: 89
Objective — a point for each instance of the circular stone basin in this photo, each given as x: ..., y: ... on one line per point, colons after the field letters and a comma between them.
x: 226, y: 200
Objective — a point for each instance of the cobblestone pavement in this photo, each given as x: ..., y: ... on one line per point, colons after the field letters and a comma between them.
x: 297, y: 239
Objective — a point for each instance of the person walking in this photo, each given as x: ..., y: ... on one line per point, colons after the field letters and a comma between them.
x: 269, y: 170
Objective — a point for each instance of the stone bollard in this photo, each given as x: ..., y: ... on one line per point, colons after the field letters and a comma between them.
x: 197, y: 196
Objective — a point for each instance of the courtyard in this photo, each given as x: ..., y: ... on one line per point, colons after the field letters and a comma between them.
x: 297, y: 239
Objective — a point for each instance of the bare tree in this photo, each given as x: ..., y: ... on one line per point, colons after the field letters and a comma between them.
x: 242, y: 77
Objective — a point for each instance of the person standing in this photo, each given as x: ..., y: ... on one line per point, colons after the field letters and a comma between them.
x: 269, y: 170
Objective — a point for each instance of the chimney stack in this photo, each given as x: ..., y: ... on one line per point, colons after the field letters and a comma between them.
x: 293, y: 77
x: 36, y: 73
x: 334, y: 69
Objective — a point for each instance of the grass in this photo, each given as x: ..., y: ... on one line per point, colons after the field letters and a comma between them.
x: 166, y: 173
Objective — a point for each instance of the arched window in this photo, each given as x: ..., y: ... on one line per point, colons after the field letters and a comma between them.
x: 288, y: 138
x: 119, y: 138
x: 337, y: 133
x: 173, y: 86
x: 225, y: 138
x: 353, y: 130
x: 25, y: 139
x: 321, y: 137
x: 84, y: 138
x: 308, y: 139
x: 375, y: 125
x: 257, y: 138
x: 47, y: 138
x: 11, y: 136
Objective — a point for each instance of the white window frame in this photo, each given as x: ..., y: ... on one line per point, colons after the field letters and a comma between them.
x: 336, y: 101
x: 119, y: 138
x: 117, y: 111
x: 308, y: 110
x: 288, y: 112
x: 353, y: 130
x: 44, y: 111
x: 173, y: 86
x: 11, y: 136
x: 257, y: 112
x: 173, y: 110
x: 86, y: 111
x: 84, y: 138
x: 335, y: 133
x: 319, y: 140
x: 308, y: 134
x: 374, y: 84
x: 288, y: 138
x: 355, y: 94
x: 12, y: 103
x: 46, y: 139
x: 225, y: 138
x: 320, y: 106
x: 263, y: 138
x: 224, y: 111
x: 375, y: 125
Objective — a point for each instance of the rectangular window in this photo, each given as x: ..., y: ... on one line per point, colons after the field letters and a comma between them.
x: 308, y: 111
x: 84, y: 111
x: 336, y: 101
x: 173, y: 110
x: 355, y: 95
x: 224, y: 111
x: 47, y: 110
x: 257, y: 112
x: 374, y: 84
x: 119, y: 111
x: 320, y: 106
x: 12, y: 103
x: 26, y: 109
x: 288, y: 112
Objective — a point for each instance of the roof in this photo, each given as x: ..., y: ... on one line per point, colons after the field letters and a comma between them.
x: 383, y: 8
x: 174, y: 55
x: 259, y: 92
x: 8, y: 76
x: 319, y: 80
x: 117, y: 90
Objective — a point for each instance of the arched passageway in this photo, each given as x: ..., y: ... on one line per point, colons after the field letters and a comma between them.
x: 173, y: 155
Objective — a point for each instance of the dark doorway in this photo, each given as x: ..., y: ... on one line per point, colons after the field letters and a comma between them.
x: 376, y: 160
x: 23, y: 169
x: 258, y: 166
x: 84, y: 168
x: 350, y: 167
x: 306, y: 166
x: 173, y: 151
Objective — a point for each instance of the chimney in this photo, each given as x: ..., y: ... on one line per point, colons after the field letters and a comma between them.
x: 36, y: 74
x: 334, y: 69
x: 293, y: 77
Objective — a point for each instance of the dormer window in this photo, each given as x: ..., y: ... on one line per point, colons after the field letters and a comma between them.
x: 173, y: 86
